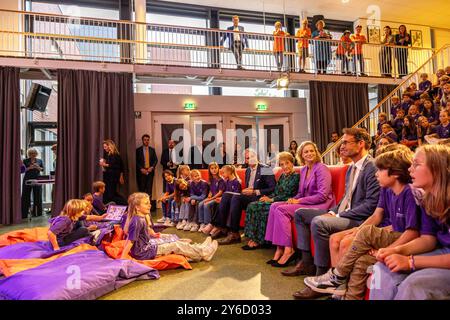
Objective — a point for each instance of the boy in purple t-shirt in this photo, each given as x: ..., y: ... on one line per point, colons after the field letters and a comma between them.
x: 99, y: 189
x: 166, y: 200
x: 67, y: 227
x: 397, y: 207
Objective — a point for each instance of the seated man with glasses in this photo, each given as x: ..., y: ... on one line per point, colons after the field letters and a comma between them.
x: 359, y: 202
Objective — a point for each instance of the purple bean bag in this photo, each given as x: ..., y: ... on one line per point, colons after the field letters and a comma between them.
x: 81, y: 276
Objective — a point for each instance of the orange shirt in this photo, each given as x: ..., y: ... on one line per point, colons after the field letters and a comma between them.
x: 344, y: 46
x: 278, y: 41
x: 359, y: 40
x: 305, y: 34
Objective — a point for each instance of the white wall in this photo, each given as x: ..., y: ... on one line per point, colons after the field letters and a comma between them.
x: 150, y: 104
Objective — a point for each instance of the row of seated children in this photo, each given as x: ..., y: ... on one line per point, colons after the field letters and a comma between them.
x: 192, y: 203
x: 68, y: 228
x: 409, y: 231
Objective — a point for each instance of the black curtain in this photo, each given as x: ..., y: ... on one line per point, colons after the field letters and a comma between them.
x: 10, y: 161
x: 384, y: 90
x: 335, y: 106
x: 92, y: 106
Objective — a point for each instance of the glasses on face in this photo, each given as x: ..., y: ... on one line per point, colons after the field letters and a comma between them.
x: 344, y: 143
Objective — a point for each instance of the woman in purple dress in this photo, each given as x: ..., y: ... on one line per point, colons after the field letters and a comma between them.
x: 314, y: 192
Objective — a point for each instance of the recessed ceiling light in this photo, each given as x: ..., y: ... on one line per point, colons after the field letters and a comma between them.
x: 345, y: 1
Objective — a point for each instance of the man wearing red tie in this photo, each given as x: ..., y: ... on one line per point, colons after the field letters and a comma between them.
x: 146, y: 161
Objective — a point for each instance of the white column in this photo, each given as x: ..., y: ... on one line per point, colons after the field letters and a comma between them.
x: 140, y: 10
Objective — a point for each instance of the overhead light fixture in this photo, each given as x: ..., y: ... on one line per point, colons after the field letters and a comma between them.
x: 283, y: 82
x: 345, y: 1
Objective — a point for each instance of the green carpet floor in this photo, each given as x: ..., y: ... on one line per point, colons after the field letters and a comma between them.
x: 232, y: 274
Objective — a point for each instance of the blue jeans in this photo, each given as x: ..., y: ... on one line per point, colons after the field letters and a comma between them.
x: 184, y: 211
x: 167, y: 208
x: 429, y: 283
x: 204, y: 211
x: 175, y: 211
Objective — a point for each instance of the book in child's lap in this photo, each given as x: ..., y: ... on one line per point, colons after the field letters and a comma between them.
x: 164, y: 238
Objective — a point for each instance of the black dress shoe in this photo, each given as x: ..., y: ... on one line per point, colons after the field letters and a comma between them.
x: 271, y: 261
x: 291, y: 259
x: 248, y: 248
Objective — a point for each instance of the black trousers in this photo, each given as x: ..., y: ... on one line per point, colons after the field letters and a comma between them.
x: 79, y: 233
x: 230, y: 210
x: 145, y: 183
x: 386, y: 61
x: 402, y: 60
x: 236, y: 48
x: 26, y: 200
x: 358, y: 58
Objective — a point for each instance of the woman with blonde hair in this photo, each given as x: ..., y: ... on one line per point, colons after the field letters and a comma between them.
x: 112, y: 167
x: 314, y: 191
x: 257, y: 212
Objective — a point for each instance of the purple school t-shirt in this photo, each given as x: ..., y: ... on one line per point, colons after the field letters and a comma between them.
x: 198, y: 189
x: 98, y: 204
x: 170, y: 187
x: 233, y: 186
x: 401, y: 211
x: 434, y: 227
x: 61, y: 226
x: 139, y: 234
x: 443, y: 132
x: 217, y: 185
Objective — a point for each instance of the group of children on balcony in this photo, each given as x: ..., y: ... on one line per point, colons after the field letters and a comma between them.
x: 421, y: 115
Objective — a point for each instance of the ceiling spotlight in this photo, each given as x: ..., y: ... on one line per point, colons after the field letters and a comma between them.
x: 345, y: 1
x: 283, y: 82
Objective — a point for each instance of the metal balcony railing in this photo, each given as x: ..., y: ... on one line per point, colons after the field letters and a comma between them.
x: 41, y: 35
x: 439, y: 60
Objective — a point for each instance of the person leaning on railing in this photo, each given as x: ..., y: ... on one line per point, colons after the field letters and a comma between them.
x: 278, y: 44
x: 386, y: 52
x: 402, y: 39
x: 322, y: 49
x: 358, y: 39
x: 344, y: 52
x: 303, y: 34
x: 237, y: 40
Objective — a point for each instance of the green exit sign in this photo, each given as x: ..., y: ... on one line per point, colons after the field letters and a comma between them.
x: 261, y: 107
x: 190, y: 106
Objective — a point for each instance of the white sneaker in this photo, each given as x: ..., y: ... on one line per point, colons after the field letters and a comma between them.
x: 194, y: 227
x: 161, y: 220
x: 181, y: 225
x: 210, y: 250
x: 207, y: 242
x: 187, y: 226
x: 200, y: 229
x: 178, y: 225
x: 171, y: 224
x: 168, y: 223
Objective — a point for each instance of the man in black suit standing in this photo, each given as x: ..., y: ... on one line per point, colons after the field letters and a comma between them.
x: 196, y: 155
x: 237, y: 41
x: 146, y: 161
x: 170, y: 160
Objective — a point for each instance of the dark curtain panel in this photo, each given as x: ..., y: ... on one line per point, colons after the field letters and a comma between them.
x: 384, y: 90
x: 92, y: 106
x: 335, y: 106
x: 10, y: 146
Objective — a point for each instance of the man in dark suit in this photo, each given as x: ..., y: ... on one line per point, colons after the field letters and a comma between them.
x: 359, y: 202
x: 237, y: 41
x: 170, y: 160
x: 146, y: 161
x: 196, y: 155
x: 259, y: 181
